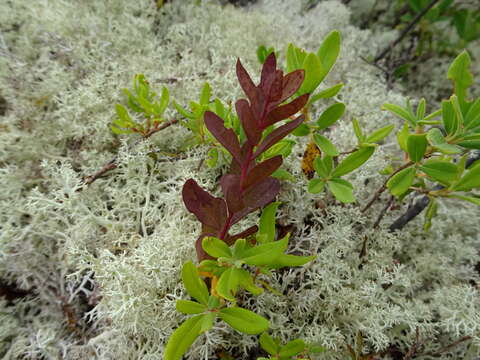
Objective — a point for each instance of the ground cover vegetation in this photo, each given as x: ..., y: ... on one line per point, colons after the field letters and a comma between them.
x: 310, y: 212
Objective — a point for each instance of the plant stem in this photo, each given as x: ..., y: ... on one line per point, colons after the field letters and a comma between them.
x: 409, y: 27
x: 384, y: 186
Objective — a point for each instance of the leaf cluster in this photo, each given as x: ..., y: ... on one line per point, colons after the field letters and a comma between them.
x: 437, y: 150
x: 143, y: 102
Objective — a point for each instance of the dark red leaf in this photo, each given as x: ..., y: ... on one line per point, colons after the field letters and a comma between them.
x: 262, y: 171
x: 278, y: 134
x: 249, y: 122
x: 231, y: 191
x: 257, y: 197
x: 291, y: 83
x: 268, y: 73
x: 209, y: 210
x: 246, y: 82
x: 276, y: 90
x: 230, y: 240
x: 285, y: 111
x: 226, y: 137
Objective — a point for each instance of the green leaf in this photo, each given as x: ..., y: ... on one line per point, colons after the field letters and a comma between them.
x: 285, y: 260
x: 440, y: 170
x: 401, y: 182
x: 430, y: 213
x: 283, y: 147
x: 227, y: 285
x: 313, y: 74
x: 230, y: 281
x: 341, y: 189
x: 292, y: 348
x: 325, y: 145
x: 183, y: 338
x: 194, y: 285
x: 449, y: 119
x: 353, y: 161
x: 265, y: 254
x: 472, y: 199
x: 438, y: 141
x: 323, y: 166
x: 316, y: 186
x: 470, y: 180
x: 216, y: 247
x: 459, y: 73
x: 330, y: 115
x: 212, y: 157
x: 400, y: 112
x: 417, y: 146
x: 244, y: 320
x: 123, y: 115
x: 379, y: 134
x: 328, y: 52
x: 268, y: 344
x: 266, y: 229
x: 190, y: 307
x: 472, y: 118
x: 358, y: 131
x: 164, y: 100
x: 421, y: 109
x: 206, y: 94
x: 326, y: 94
x: 470, y: 141
x: 283, y: 174
x: 301, y: 130
x: 402, y: 137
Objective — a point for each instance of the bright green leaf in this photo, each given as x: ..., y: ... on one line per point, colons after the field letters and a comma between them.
x: 470, y: 180
x: 325, y: 145
x: 440, y: 170
x: 328, y: 52
x: 379, y: 134
x: 316, y: 186
x: 244, y: 320
x: 438, y: 141
x: 292, y: 348
x: 353, y: 161
x: 266, y: 229
x: 341, y: 189
x: 194, y: 285
x: 326, y: 94
x: 323, y: 166
x: 417, y: 146
x: 313, y: 74
x: 183, y: 338
x: 459, y: 73
x: 401, y: 182
x: 216, y: 247
x: 330, y: 115
x: 268, y: 344
x: 400, y: 112
x: 190, y: 307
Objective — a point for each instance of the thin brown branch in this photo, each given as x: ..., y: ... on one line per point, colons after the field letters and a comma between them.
x: 383, y: 212
x: 448, y: 347
x: 384, y: 186
x: 404, y: 33
x: 112, y: 164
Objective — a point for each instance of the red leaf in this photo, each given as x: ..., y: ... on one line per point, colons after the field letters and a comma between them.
x: 268, y: 73
x: 262, y: 171
x: 291, y: 83
x: 278, y: 134
x: 246, y: 82
x: 249, y: 122
x: 231, y: 190
x: 230, y: 240
x: 257, y: 197
x: 209, y: 210
x: 285, y: 111
x: 225, y: 136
